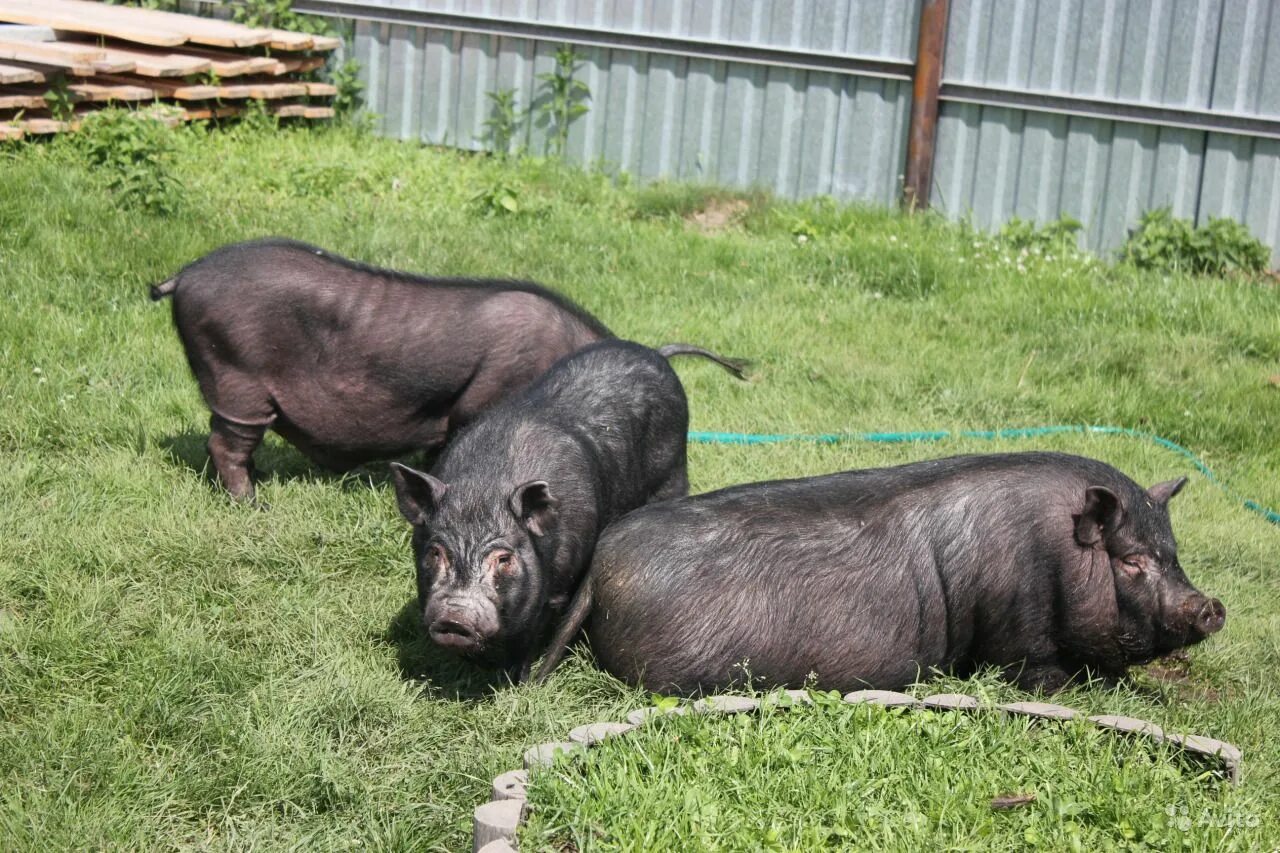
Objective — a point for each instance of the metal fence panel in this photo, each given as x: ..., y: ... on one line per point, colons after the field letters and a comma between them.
x: 1096, y: 109
x: 656, y: 114
x: 1247, y: 80
x: 995, y: 163
x: 1150, y: 51
x: 1242, y: 181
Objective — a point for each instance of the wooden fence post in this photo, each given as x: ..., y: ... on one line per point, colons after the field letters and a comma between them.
x: 923, y: 132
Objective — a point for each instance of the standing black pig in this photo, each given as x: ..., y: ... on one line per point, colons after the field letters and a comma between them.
x: 352, y: 363
x: 504, y: 530
x: 1041, y: 564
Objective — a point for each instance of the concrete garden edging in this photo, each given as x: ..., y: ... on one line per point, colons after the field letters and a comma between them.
x: 496, y: 822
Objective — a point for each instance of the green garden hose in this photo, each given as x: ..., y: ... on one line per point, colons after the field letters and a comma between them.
x: 1016, y: 432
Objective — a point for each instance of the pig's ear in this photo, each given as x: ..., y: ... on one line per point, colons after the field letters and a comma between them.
x: 1101, y: 515
x: 417, y: 493
x: 1162, y: 492
x: 534, y: 505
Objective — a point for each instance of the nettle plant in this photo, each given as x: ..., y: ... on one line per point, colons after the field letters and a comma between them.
x: 503, y: 122
x: 135, y: 152
x: 1059, y: 235
x: 561, y: 100
x: 1165, y: 243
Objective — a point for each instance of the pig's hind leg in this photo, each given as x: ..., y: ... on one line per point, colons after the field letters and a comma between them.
x: 231, y: 446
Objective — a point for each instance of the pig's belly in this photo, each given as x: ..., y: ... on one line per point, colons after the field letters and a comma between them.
x: 345, y: 423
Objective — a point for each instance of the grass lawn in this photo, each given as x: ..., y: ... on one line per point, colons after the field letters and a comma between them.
x: 176, y: 670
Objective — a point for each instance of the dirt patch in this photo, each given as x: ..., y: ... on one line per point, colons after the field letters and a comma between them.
x: 1175, y: 670
x: 717, y: 215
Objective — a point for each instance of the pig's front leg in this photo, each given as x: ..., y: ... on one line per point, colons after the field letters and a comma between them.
x: 518, y: 672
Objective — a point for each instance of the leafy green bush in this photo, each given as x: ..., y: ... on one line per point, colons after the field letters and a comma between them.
x: 1165, y: 243
x: 346, y: 77
x: 1025, y: 234
x: 278, y: 14
x: 499, y: 198
x: 135, y: 152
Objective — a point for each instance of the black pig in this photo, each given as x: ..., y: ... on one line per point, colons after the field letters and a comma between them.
x: 1041, y: 564
x: 504, y: 527
x: 352, y: 363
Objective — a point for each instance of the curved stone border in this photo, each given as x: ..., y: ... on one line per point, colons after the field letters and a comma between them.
x: 496, y: 822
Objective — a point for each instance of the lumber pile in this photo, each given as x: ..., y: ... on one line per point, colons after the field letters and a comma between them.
x: 66, y: 58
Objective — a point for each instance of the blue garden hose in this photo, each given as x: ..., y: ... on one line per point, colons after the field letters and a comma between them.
x: 1017, y: 432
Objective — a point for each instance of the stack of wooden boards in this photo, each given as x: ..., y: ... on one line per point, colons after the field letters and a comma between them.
x: 121, y: 55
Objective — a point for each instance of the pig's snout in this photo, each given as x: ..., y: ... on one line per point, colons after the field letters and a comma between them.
x: 455, y: 634
x: 460, y: 628
x: 1209, y: 617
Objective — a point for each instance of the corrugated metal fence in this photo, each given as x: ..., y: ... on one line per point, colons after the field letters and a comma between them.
x: 1098, y: 109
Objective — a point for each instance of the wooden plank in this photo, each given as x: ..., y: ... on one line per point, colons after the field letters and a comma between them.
x: 263, y: 91
x: 99, y: 93
x: 298, y: 64
x: 23, y: 12
x: 19, y: 74
x: 80, y: 69
x: 326, y: 43
x: 82, y: 59
x: 206, y: 113
x: 45, y: 51
x: 43, y: 126
x: 45, y: 73
x: 318, y: 112
x: 123, y: 18
x: 165, y: 88
x: 287, y: 40
x: 22, y: 101
x: 225, y: 63
x: 156, y: 62
x: 321, y: 90
x: 10, y: 131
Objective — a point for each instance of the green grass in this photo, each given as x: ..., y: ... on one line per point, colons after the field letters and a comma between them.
x: 817, y: 778
x: 179, y: 671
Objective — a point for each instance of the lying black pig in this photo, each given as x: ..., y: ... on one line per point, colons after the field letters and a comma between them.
x: 504, y: 530
x: 1041, y: 564
x: 351, y: 363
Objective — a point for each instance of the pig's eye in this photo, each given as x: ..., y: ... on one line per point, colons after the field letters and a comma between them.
x: 503, y: 562
x: 438, y: 557
x: 1133, y: 566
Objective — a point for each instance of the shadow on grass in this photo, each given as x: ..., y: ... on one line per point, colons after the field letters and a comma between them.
x: 439, y: 674
x: 275, y: 460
